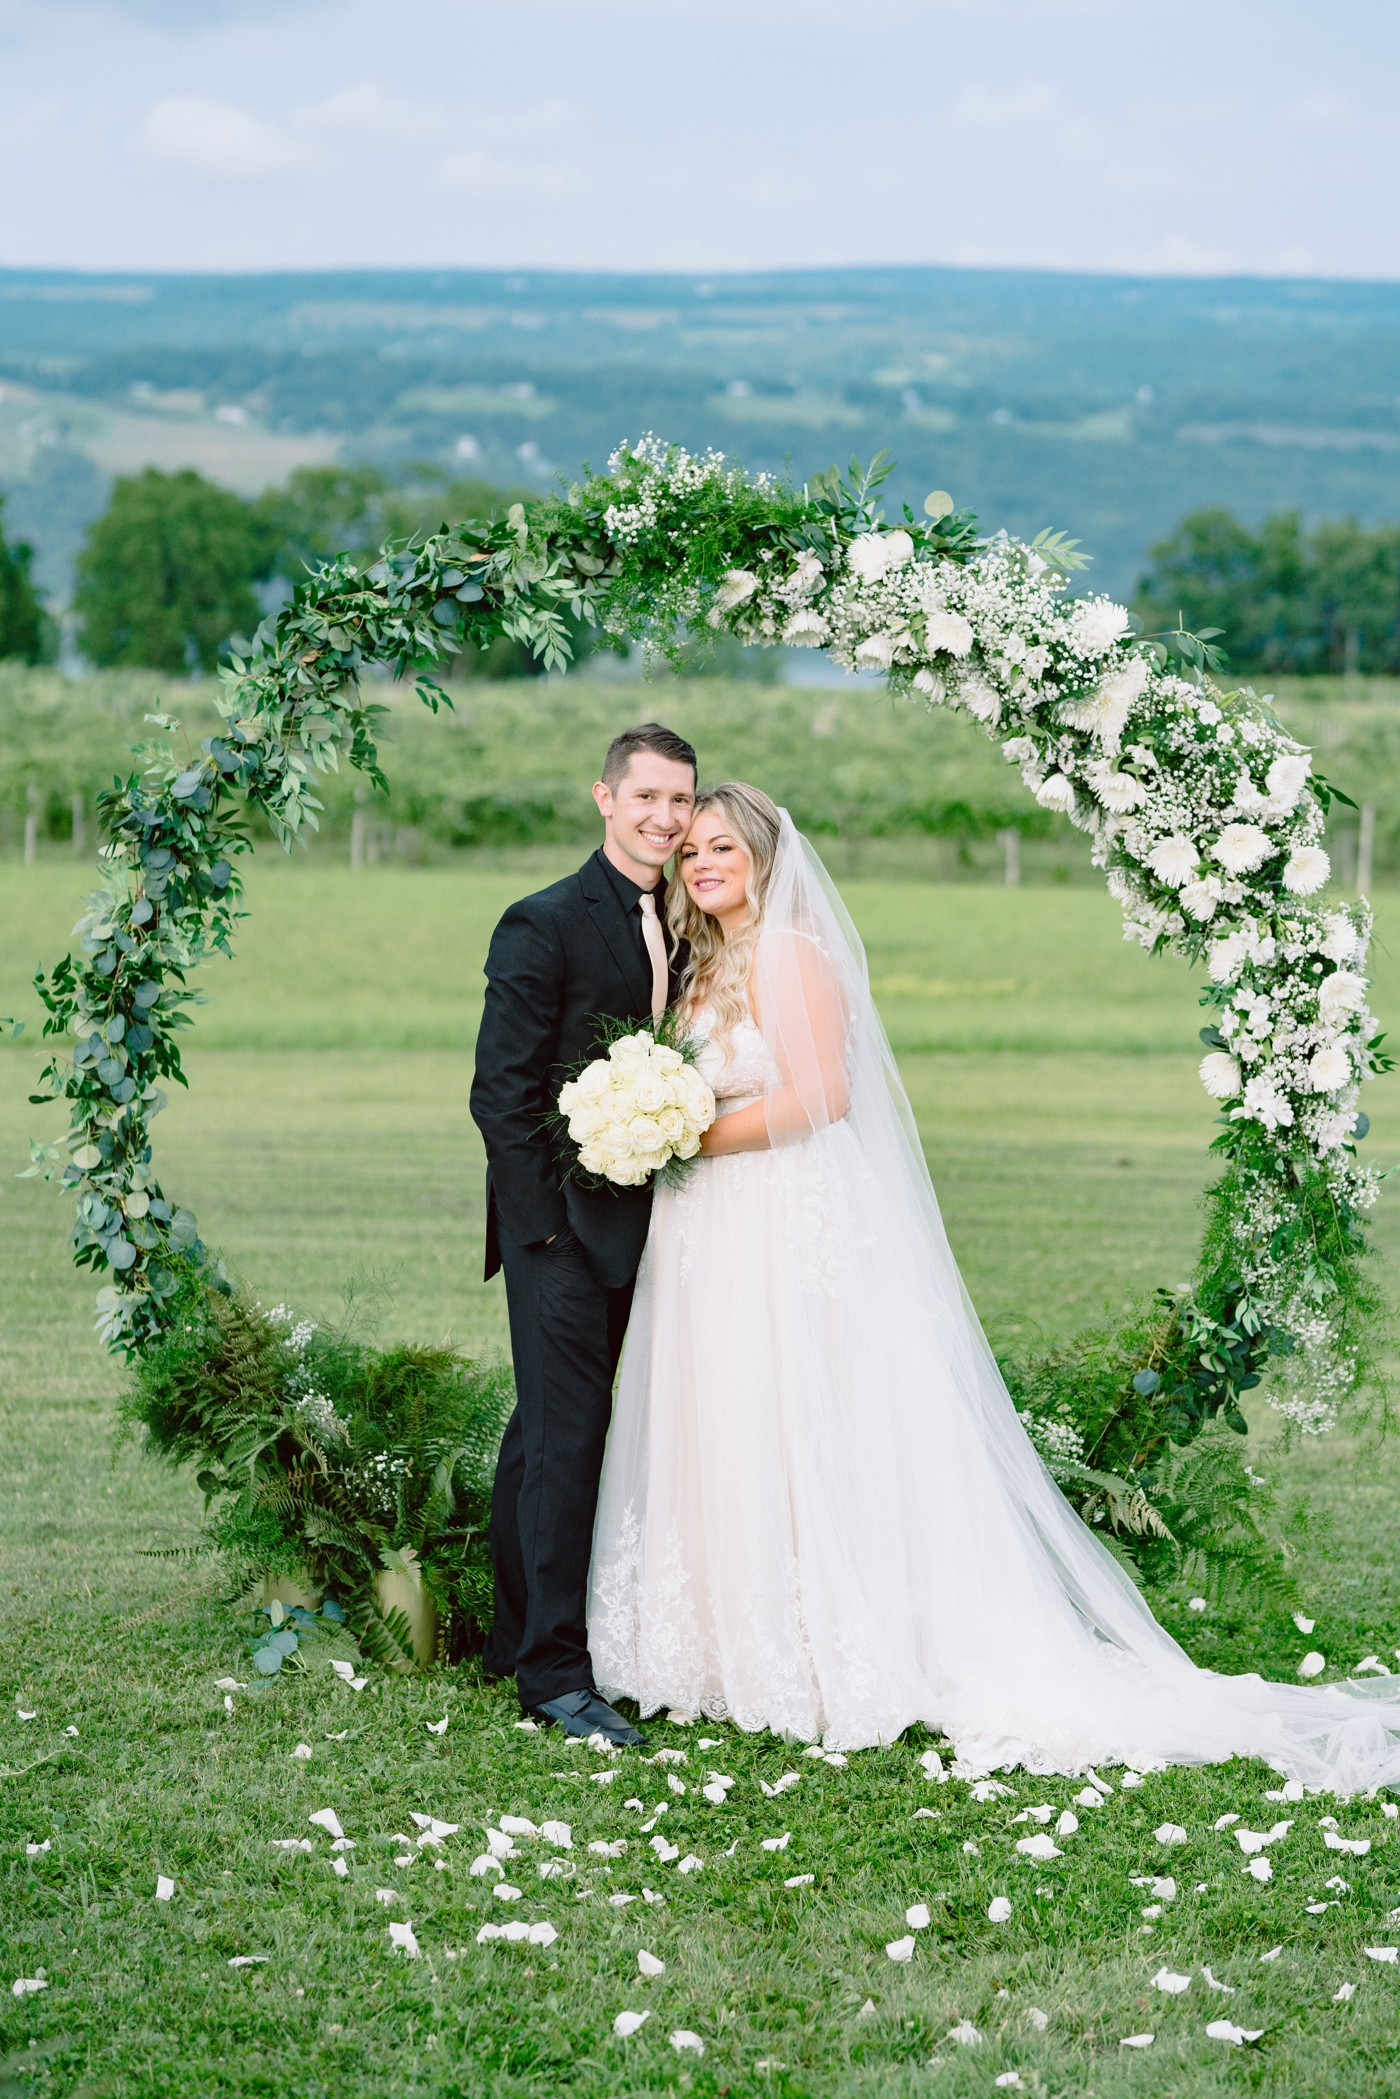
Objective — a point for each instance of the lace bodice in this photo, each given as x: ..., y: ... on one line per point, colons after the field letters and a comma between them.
x: 738, y: 1070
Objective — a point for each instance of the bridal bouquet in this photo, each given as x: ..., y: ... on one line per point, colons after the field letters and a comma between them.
x: 640, y: 1109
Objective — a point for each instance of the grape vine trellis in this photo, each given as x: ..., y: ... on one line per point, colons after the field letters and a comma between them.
x: 1203, y: 813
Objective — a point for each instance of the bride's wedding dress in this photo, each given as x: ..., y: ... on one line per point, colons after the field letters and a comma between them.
x: 819, y: 1512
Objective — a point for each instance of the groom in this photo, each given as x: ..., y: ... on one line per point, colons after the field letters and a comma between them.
x: 591, y: 946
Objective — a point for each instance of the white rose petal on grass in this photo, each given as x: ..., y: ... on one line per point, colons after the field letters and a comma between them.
x: 1137, y: 2040
x: 648, y: 1964
x: 559, y: 1834
x: 387, y: 1895
x: 249, y: 1960
x: 1226, y: 2030
x: 800, y: 1880
x: 627, y: 2023
x: 26, y: 1985
x: 340, y: 1869
x: 685, y: 2042
x: 303, y: 1752
x: 165, y: 1887
x: 228, y: 1683
x: 999, y: 1910
x: 691, y: 1864
x: 20, y: 1714
x: 715, y: 1794
x: 1344, y: 1993
x: 603, y: 1849
x: 1039, y: 2019
x: 1068, y: 1824
x: 1039, y: 1847
x: 1170, y: 1833
x: 990, y: 1789
x: 1304, y: 1625
x: 778, y: 1843
x: 38, y: 1850
x: 965, y: 2034
x: 504, y: 1892
x: 486, y: 1863
x: 917, y: 1916
x: 1173, y: 1985
x: 665, y: 1852
x: 327, y: 1819
x: 402, y: 1937
x: 1312, y: 1664
x: 437, y: 1727
x: 931, y: 1763
x: 1381, y: 1953
x: 1226, y: 1989
x: 1259, y: 1869
x: 1132, y: 1778
x: 901, y: 1949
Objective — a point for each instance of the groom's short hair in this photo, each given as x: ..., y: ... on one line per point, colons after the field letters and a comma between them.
x: 650, y: 736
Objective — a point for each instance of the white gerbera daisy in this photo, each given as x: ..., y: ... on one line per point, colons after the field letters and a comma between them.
x: 1306, y: 869
x: 1241, y: 848
x: 1173, y: 860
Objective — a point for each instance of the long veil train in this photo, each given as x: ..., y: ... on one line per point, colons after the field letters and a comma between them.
x: 819, y: 1509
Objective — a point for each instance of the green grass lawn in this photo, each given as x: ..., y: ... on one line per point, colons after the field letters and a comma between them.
x: 326, y: 1131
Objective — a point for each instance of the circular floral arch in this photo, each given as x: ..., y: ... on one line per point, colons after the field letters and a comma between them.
x: 1203, y: 812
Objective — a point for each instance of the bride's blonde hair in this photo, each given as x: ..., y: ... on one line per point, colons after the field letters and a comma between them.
x: 718, y: 970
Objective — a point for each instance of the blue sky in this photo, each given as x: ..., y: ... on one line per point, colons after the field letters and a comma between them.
x: 1121, y: 135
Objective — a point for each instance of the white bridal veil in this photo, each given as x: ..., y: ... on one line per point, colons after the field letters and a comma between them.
x: 935, y: 1571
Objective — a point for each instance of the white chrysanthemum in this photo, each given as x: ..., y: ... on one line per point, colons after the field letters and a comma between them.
x: 981, y: 699
x: 876, y: 652
x: 738, y: 584
x: 948, y: 633
x: 1201, y: 899
x: 1242, y: 848
x: 1306, y: 869
x: 806, y: 629
x: 1104, y: 713
x: 1340, y: 939
x: 1056, y: 793
x: 1264, y: 1103
x: 1097, y: 624
x: 1220, y: 1075
x: 1286, y: 778
x: 875, y: 552
x: 1343, y: 992
x: 1329, y: 1068
x: 1120, y: 792
x: 1173, y: 860
x: 930, y: 684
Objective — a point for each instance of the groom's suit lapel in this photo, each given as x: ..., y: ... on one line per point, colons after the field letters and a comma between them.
x: 607, y: 914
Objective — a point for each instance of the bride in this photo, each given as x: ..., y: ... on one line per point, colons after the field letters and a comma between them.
x: 819, y: 1512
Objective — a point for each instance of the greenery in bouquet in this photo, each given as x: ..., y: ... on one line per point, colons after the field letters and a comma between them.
x: 326, y: 1461
x: 637, y: 1110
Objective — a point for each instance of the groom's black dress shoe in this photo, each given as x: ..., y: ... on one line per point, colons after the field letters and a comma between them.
x: 585, y: 1713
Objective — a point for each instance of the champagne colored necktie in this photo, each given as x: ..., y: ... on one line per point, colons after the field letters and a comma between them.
x: 656, y: 948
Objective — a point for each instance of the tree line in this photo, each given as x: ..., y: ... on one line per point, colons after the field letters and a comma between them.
x: 177, y: 568
x: 1287, y: 600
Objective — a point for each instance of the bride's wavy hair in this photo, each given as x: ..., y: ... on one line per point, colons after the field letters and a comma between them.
x: 718, y: 970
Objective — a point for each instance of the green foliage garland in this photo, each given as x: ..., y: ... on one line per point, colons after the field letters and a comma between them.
x: 658, y: 549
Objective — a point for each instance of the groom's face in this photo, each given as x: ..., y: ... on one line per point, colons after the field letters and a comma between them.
x: 648, y: 812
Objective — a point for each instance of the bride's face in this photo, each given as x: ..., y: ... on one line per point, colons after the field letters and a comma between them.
x: 715, y: 869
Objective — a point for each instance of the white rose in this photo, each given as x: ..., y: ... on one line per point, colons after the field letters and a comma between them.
x: 649, y: 1094
x: 672, y: 1124
x: 1220, y: 1075
x: 1241, y: 848
x: 644, y: 1134
x: 1173, y: 860
x: 1306, y: 869
x: 1329, y: 1069
x: 587, y: 1123
x: 1342, y: 992
x: 899, y: 548
x: 876, y: 652
x: 569, y: 1098
x: 950, y: 633
x: 1057, y: 793
x: 664, y: 1058
x: 593, y: 1159
x: 593, y: 1082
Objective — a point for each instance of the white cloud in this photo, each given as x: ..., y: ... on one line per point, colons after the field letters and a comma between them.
x: 222, y: 143
x: 979, y: 110
x: 365, y: 114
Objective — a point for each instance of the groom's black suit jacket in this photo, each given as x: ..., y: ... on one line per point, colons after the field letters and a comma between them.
x: 558, y: 961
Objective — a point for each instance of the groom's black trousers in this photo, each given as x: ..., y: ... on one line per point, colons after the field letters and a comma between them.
x: 566, y: 1337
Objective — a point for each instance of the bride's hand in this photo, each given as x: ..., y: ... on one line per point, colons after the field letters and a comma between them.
x: 746, y: 1130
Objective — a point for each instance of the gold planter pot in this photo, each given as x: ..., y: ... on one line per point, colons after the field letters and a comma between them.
x: 399, y: 1592
x: 280, y: 1588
